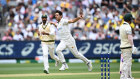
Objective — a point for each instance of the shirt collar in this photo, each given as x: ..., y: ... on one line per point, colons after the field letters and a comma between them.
x: 44, y: 26
x: 125, y: 22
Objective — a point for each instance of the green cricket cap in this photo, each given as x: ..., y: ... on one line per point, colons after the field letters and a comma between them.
x: 44, y: 16
x: 128, y: 17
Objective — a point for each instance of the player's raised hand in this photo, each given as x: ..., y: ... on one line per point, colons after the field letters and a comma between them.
x: 81, y: 16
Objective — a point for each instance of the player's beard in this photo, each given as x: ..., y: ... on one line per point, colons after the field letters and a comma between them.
x: 44, y: 21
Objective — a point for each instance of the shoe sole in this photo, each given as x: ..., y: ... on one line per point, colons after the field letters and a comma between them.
x: 64, y: 69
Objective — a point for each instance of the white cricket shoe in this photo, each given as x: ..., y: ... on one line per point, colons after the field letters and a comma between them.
x: 89, y: 64
x: 64, y: 67
x: 57, y: 63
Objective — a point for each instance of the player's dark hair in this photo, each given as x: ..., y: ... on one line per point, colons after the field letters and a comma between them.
x: 58, y: 11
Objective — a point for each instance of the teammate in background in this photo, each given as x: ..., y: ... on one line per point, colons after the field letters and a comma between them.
x: 67, y: 41
x: 127, y: 47
x: 47, y: 37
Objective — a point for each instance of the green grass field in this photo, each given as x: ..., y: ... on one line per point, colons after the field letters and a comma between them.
x: 75, y: 71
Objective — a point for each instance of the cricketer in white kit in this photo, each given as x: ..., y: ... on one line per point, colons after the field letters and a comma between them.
x: 67, y: 41
x: 47, y: 37
x: 127, y: 47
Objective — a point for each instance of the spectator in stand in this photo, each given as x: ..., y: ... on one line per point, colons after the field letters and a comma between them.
x: 18, y: 16
x: 110, y: 14
x: 11, y: 32
x: 84, y: 37
x: 104, y: 2
x: 11, y: 15
x: 104, y: 11
x: 86, y: 31
x: 111, y: 5
x: 31, y: 26
x: 18, y: 25
x: 134, y: 12
x: 77, y: 32
x: 119, y: 5
x: 116, y: 15
x: 137, y: 29
x: 111, y: 29
x: 28, y: 34
x: 96, y: 24
x: 127, y: 6
x: 93, y: 35
x: 7, y: 37
x: 105, y: 19
x: 36, y: 16
x: 36, y: 37
x: 135, y: 3
x: 100, y: 36
x: 18, y: 37
x: 139, y: 10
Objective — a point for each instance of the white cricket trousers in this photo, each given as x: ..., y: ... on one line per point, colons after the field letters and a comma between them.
x: 70, y: 44
x: 48, y: 48
x: 126, y: 64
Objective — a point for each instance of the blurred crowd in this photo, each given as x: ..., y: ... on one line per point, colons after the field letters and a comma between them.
x: 102, y: 18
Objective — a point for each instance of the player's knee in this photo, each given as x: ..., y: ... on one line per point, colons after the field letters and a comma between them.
x: 124, y: 66
x: 77, y: 55
x: 129, y: 62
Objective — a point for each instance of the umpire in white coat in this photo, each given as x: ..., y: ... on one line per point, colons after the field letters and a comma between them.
x: 127, y: 47
x: 47, y: 37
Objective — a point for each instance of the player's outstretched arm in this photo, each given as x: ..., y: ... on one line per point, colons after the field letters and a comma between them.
x: 53, y: 23
x: 75, y: 19
x: 52, y: 30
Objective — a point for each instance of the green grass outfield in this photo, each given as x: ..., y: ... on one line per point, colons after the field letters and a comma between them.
x: 75, y: 71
